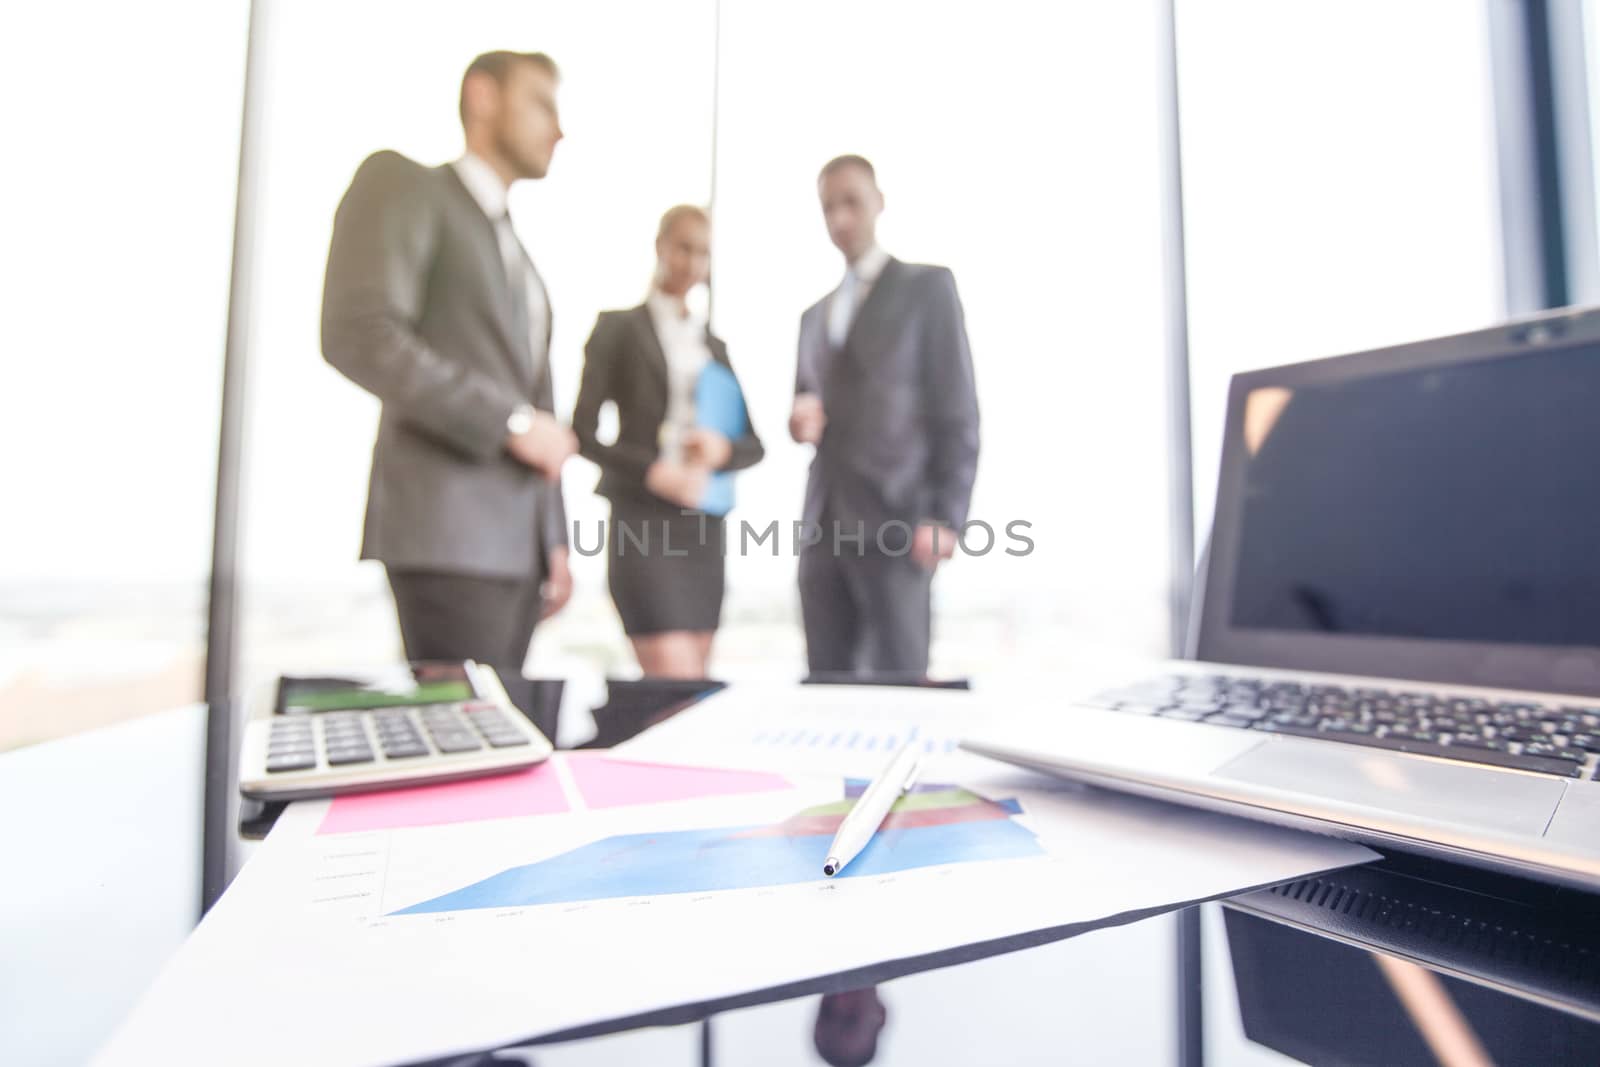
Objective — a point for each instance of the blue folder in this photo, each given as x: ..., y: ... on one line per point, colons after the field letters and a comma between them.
x: 719, y: 406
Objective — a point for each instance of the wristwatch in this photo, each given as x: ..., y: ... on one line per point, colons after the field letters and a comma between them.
x: 520, y: 421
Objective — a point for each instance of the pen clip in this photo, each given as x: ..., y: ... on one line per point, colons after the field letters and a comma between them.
x: 911, y: 779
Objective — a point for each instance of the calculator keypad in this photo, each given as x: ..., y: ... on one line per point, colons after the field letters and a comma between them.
x: 397, y: 736
x: 448, y: 730
x: 291, y: 746
x: 353, y: 738
x: 344, y: 739
x: 491, y: 722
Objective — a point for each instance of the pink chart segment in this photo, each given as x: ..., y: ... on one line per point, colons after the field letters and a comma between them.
x: 536, y: 791
x: 609, y: 783
x: 601, y: 782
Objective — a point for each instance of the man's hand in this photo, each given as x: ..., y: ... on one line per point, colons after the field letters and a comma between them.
x: 682, y: 485
x: 544, y: 446
x: 557, y: 588
x: 932, y: 544
x: 707, y: 448
x: 807, y: 419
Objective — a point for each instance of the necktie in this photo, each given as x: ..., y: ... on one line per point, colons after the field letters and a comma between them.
x: 516, y: 277
x: 841, y: 308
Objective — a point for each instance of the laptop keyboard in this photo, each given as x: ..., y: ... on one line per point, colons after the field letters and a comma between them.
x: 1548, y: 738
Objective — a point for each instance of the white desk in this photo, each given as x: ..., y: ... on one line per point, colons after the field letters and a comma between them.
x: 100, y: 849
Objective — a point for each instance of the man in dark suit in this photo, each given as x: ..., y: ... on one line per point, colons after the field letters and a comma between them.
x: 885, y: 392
x: 432, y: 304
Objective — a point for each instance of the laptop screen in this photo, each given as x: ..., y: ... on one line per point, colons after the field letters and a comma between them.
x: 1458, y: 503
x: 1418, y: 503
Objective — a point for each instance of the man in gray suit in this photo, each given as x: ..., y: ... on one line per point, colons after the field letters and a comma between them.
x: 885, y: 392
x: 432, y: 305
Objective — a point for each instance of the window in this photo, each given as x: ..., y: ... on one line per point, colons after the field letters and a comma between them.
x: 118, y: 219
x: 1339, y: 188
x: 351, y: 78
x: 1015, y: 145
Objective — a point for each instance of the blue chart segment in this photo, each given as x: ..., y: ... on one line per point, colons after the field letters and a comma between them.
x: 749, y: 857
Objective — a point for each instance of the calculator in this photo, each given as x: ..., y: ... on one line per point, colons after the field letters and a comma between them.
x: 368, y: 730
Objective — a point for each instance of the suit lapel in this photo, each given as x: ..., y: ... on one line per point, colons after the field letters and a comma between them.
x: 814, y: 351
x: 650, y: 345
x: 873, y: 307
x: 487, y: 243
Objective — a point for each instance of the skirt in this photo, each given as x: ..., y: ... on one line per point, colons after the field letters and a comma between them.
x: 664, y: 568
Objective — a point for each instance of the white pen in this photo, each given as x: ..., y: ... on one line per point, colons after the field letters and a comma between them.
x: 863, y: 820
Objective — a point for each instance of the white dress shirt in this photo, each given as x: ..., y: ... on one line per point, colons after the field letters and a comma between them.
x: 683, y: 342
x: 491, y: 194
x: 852, y: 293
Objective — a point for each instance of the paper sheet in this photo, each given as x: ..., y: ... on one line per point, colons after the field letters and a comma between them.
x: 830, y: 729
x: 662, y: 887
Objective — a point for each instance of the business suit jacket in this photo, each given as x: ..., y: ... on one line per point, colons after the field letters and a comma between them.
x: 901, y: 440
x: 624, y: 363
x: 417, y: 310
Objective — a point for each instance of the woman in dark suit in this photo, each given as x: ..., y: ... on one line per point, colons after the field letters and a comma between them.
x: 664, y: 567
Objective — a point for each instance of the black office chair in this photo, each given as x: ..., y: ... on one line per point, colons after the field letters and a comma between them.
x: 635, y: 704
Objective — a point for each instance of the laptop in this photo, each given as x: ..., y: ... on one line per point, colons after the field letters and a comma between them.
x: 1396, y: 637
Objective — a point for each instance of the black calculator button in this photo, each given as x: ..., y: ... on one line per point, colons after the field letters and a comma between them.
x: 341, y: 757
x: 295, y: 762
x: 461, y: 742
x: 506, y: 740
x: 405, y: 751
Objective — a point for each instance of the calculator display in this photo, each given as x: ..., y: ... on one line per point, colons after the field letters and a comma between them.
x: 417, y: 686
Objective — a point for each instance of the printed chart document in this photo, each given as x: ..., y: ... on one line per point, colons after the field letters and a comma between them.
x: 595, y: 892
x: 829, y: 729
